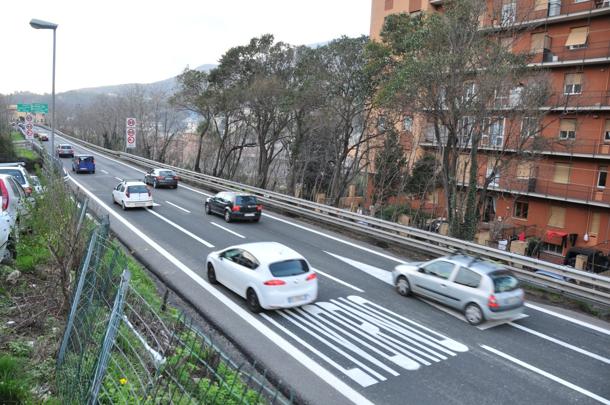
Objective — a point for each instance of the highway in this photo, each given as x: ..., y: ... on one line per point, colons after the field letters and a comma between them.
x: 361, y: 342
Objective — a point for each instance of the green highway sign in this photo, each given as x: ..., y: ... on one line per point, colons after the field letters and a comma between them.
x: 24, y: 107
x: 40, y: 108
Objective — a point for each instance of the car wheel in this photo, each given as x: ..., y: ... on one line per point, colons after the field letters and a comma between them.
x: 256, y: 219
x: 113, y: 200
x: 72, y: 168
x: 151, y: 207
x: 474, y: 314
x: 93, y: 172
x: 227, y: 216
x: 212, y: 274
x: 208, y: 210
x: 123, y: 205
x: 253, y: 302
x: 403, y: 287
x: 154, y: 183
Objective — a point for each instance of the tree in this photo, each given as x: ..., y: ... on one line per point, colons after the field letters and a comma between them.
x: 390, y: 163
x: 471, y: 94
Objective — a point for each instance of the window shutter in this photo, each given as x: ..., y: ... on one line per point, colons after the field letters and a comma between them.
x: 567, y: 125
x: 463, y: 168
x: 574, y: 78
x: 578, y: 36
x: 541, y: 5
x: 558, y: 217
x: 595, y: 220
x: 537, y: 42
x: 524, y: 170
x: 562, y: 173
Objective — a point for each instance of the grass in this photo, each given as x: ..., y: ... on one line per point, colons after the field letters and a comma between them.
x: 14, y: 381
x: 26, y: 154
x: 17, y: 136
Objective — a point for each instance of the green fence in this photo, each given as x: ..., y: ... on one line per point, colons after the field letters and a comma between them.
x: 120, y: 347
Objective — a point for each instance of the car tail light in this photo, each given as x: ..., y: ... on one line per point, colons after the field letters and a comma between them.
x: 312, y: 276
x: 259, y: 207
x: 235, y: 208
x: 148, y: 191
x: 5, y: 195
x: 492, y: 302
x: 176, y: 177
x: 93, y: 161
x: 159, y: 177
x: 274, y: 282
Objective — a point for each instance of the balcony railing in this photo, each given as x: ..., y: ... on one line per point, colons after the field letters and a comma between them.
x: 586, y: 100
x: 595, y: 52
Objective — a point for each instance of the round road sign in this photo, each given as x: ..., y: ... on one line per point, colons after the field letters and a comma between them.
x: 131, y: 122
x: 29, y: 126
x: 28, y: 118
x: 130, y: 139
x: 131, y: 132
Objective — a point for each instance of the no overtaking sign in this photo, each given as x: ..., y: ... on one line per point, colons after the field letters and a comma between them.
x: 130, y: 133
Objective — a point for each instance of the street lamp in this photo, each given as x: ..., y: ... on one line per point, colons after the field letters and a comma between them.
x: 44, y: 25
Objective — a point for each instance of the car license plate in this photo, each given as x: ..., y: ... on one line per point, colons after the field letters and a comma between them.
x: 514, y: 300
x: 248, y: 215
x: 297, y: 298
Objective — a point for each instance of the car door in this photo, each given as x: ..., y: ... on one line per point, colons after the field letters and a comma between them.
x: 432, y: 280
x: 228, y: 269
x: 464, y: 286
x: 116, y: 193
x: 245, y: 272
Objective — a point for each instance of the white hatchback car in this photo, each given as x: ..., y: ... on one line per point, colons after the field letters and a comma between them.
x: 268, y: 275
x: 132, y: 194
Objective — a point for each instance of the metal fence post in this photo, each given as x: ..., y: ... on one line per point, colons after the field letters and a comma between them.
x: 76, y: 299
x: 111, y: 331
x: 81, y: 217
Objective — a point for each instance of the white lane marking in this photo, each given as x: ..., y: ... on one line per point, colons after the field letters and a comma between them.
x: 561, y: 343
x: 103, y: 171
x: 355, y: 374
x: 338, y: 280
x: 179, y: 207
x: 181, y: 229
x: 381, y: 274
x: 228, y: 230
x: 335, y: 238
x: 548, y: 375
x: 156, y: 205
x: 282, y: 343
x: 118, y: 178
x: 569, y: 318
x: 493, y: 324
x: 195, y: 190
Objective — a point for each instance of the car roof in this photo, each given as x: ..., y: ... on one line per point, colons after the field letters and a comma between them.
x: 65, y: 144
x: 269, y: 252
x: 134, y: 182
x: 83, y: 155
x: 20, y: 168
x: 237, y: 193
x: 475, y: 263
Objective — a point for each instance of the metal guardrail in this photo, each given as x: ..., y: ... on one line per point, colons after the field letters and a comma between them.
x: 586, y: 285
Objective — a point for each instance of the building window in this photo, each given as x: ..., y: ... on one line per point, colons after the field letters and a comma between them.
x: 551, y: 248
x: 540, y: 41
x: 562, y: 173
x: 493, y: 172
x: 607, y: 131
x: 602, y: 177
x: 525, y: 170
x: 541, y: 5
x: 389, y: 4
x: 408, y: 123
x: 557, y: 217
x: 530, y: 126
x: 595, y: 220
x: 509, y: 11
x: 572, y: 83
x: 521, y: 209
x: 577, y: 38
x: 494, y: 132
x: 567, y: 129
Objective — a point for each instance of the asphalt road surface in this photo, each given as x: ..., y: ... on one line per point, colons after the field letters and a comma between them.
x: 361, y: 342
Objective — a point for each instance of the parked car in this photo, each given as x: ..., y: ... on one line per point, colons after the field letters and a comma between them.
x: 268, y: 275
x: 12, y: 199
x: 233, y: 205
x: 20, y: 174
x: 36, y: 184
x: 132, y: 194
x: 161, y: 177
x: 6, y: 249
x: 83, y: 163
x: 65, y: 150
x: 482, y: 290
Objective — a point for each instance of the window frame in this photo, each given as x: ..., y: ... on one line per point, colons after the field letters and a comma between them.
x: 602, y: 170
x: 523, y: 208
x: 434, y: 273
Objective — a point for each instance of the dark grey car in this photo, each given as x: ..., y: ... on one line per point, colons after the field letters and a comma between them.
x: 232, y: 205
x: 161, y: 178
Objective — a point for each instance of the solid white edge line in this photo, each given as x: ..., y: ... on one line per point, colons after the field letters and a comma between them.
x: 179, y: 207
x: 274, y: 337
x: 338, y: 280
x: 228, y: 230
x: 547, y: 375
x: 569, y: 318
x: 561, y: 343
x: 181, y: 229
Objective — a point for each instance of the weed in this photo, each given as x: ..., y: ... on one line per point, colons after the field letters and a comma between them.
x: 14, y: 387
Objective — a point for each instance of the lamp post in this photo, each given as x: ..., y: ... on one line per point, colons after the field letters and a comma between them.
x: 44, y: 25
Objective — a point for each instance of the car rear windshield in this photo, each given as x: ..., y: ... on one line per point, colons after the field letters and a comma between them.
x: 245, y: 200
x: 137, y: 189
x: 289, y: 268
x: 15, y: 173
x: 166, y: 173
x: 504, y: 281
x: 86, y: 158
x: 65, y: 147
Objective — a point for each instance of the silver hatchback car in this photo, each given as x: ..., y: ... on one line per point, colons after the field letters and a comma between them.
x: 482, y: 290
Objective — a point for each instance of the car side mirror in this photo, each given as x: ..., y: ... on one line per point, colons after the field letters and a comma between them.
x: 421, y: 270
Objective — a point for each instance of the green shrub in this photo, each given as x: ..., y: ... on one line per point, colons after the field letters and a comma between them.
x: 13, y: 384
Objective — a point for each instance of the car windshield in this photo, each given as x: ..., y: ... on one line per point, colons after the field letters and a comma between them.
x: 137, y: 189
x: 15, y: 173
x: 166, y: 173
x: 245, y: 200
x: 289, y: 268
x: 86, y: 158
x: 504, y: 281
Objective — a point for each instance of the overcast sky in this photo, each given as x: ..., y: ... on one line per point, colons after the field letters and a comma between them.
x: 108, y: 42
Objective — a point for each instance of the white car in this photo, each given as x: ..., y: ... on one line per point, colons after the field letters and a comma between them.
x: 132, y: 194
x: 12, y: 205
x: 268, y: 275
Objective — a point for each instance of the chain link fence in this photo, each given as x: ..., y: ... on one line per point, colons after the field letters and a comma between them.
x: 124, y: 346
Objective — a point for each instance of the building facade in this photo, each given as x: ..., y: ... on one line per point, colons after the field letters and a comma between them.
x: 563, y: 196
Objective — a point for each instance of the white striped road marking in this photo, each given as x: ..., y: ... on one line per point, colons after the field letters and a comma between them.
x: 103, y: 171
x: 156, y: 205
x: 561, y: 343
x: 177, y: 206
x: 228, y: 230
x: 338, y: 280
x: 118, y: 178
x: 381, y: 274
x: 181, y: 229
x: 568, y: 318
x: 274, y: 337
x: 548, y: 375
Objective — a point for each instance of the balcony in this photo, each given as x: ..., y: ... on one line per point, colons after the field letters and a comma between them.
x: 560, y: 56
x: 584, y: 101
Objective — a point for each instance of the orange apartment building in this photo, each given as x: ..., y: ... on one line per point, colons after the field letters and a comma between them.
x: 563, y: 196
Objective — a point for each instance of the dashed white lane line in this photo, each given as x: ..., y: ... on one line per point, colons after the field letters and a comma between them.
x: 292, y: 351
x: 103, y: 171
x: 181, y: 229
x: 547, y: 375
x: 569, y: 318
x: 118, y: 178
x: 337, y: 280
x: 228, y: 230
x: 561, y: 343
x: 179, y: 207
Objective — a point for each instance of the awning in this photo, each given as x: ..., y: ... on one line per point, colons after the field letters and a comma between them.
x: 552, y: 234
x: 578, y: 36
